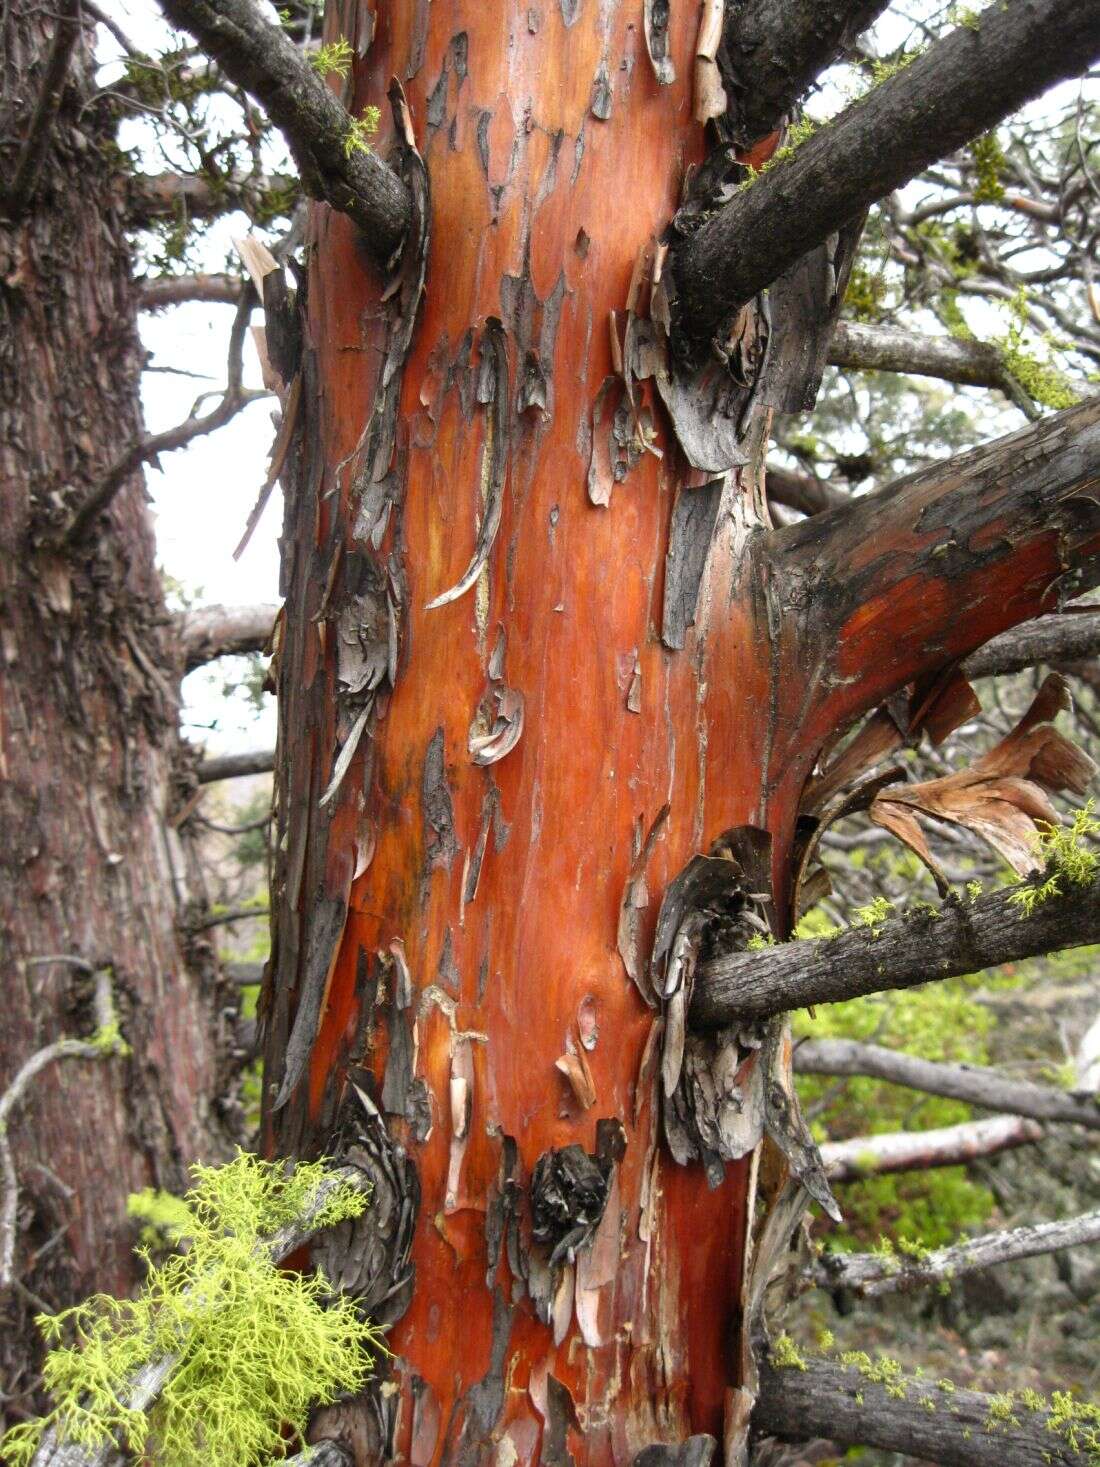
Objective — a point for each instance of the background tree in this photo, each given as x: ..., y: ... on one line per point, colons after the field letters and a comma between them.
x: 430, y: 904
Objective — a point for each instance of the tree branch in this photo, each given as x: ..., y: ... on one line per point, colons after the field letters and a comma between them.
x: 950, y: 358
x: 974, y: 1084
x: 775, y: 49
x: 174, y: 290
x: 151, y: 196
x: 912, y: 1151
x: 233, y: 766
x: 106, y: 1042
x: 1002, y: 533
x: 958, y: 1428
x: 1017, y: 49
x: 803, y: 492
x: 955, y: 938
x: 1051, y: 639
x: 235, y: 397
x: 871, y: 1274
x: 27, y: 166
x: 206, y: 632
x: 263, y: 60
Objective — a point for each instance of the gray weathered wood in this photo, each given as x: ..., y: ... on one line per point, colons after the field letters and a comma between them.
x: 974, y: 1084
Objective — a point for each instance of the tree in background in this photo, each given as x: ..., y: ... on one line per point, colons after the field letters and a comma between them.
x: 562, y: 711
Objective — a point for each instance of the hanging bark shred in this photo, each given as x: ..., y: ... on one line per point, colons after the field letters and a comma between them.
x: 656, y: 16
x: 710, y: 95
x: 493, y: 391
x: 632, y: 909
x: 694, y: 517
x: 1004, y: 796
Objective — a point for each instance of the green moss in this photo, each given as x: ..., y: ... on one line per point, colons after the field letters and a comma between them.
x: 865, y: 296
x: 1000, y: 1415
x: 873, y: 915
x: 1068, y: 861
x: 989, y: 162
x: 784, y: 1354
x: 1077, y: 1423
x: 257, y: 1346
x: 164, y: 1217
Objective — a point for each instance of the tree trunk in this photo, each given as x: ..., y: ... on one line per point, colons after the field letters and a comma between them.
x: 91, y: 868
x: 482, y: 795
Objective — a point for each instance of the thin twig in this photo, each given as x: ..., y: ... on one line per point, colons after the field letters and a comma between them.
x: 234, y: 398
x: 60, y: 1049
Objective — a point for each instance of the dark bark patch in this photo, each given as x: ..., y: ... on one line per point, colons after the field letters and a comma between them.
x: 440, y: 844
x: 601, y: 93
x: 694, y: 518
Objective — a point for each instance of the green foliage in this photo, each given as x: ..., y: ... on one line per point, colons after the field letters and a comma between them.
x: 360, y: 130
x: 865, y: 297
x: 939, y: 1022
x: 333, y: 59
x: 1067, y: 861
x: 257, y: 1346
x: 989, y: 162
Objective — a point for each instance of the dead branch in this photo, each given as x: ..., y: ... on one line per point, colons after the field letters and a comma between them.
x: 206, y: 632
x: 955, y: 938
x: 920, y: 1419
x: 263, y: 60
x: 106, y: 1043
x: 1051, y: 639
x: 780, y: 48
x: 974, y: 1084
x: 151, y: 196
x: 803, y: 492
x: 927, y: 110
x: 870, y: 1274
x: 913, y: 1151
x: 222, y: 919
x: 174, y: 290
x: 950, y: 358
x: 234, y: 766
x: 28, y: 164
x: 233, y: 399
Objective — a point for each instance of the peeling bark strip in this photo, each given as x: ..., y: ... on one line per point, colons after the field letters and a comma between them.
x: 957, y: 938
x: 689, y: 539
x: 261, y: 58
x: 870, y: 1274
x: 970, y: 1083
x: 926, y: 111
x: 955, y: 1428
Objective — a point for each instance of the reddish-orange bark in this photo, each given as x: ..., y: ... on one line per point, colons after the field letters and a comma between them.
x: 501, y: 886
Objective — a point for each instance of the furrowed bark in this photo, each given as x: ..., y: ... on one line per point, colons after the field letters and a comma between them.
x: 206, y: 632
x: 912, y: 1151
x: 774, y: 51
x: 871, y: 1274
x: 903, y: 952
x: 922, y: 573
x: 971, y: 1083
x: 91, y: 869
x: 926, y: 111
x: 1073, y: 637
x: 266, y: 62
x: 234, y: 766
x: 957, y: 1429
